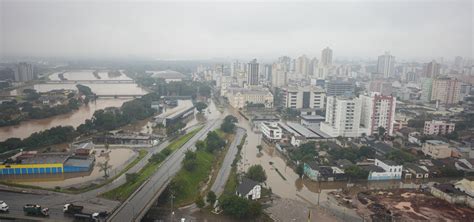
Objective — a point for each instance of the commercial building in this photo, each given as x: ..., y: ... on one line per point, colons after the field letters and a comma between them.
x: 184, y: 110
x: 167, y: 75
x: 252, y: 73
x: 342, y: 117
x: 385, y: 65
x: 446, y: 91
x: 323, y: 173
x: 383, y: 87
x: 309, y: 120
x: 240, y: 97
x: 32, y: 162
x: 377, y: 111
x: 24, y: 72
x: 384, y: 170
x: 340, y: 88
x: 271, y: 131
x: 436, y: 127
x: 436, y: 149
x: 303, y: 97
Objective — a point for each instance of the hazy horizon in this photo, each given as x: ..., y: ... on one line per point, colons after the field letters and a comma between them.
x: 206, y: 30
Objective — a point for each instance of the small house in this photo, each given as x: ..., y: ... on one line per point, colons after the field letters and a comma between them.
x: 249, y: 189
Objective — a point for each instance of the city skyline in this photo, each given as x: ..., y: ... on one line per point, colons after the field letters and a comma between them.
x: 165, y: 30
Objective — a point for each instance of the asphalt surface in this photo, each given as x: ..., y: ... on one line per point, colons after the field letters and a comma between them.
x: 224, y: 171
x: 138, y: 204
x: 53, y: 201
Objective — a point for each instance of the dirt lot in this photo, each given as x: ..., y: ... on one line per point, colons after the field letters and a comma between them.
x: 408, y: 205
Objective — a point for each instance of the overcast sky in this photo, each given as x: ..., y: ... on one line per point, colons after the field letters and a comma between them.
x: 203, y: 30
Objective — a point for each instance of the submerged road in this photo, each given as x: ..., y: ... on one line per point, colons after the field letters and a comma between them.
x: 134, y: 208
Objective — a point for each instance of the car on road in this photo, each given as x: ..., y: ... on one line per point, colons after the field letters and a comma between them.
x: 3, y: 206
x: 72, y: 209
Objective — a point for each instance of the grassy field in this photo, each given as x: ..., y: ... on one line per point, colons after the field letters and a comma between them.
x: 122, y: 192
x: 191, y: 181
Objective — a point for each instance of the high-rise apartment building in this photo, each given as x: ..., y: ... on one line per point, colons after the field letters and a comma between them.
x: 340, y: 88
x: 432, y: 69
x: 252, y: 73
x: 313, y: 67
x: 377, y: 110
x: 24, y: 72
x: 381, y: 86
x: 385, y: 65
x: 326, y: 57
x: 279, y: 75
x: 426, y: 88
x: 342, y: 117
x: 446, y: 91
x: 302, y: 65
x: 303, y: 97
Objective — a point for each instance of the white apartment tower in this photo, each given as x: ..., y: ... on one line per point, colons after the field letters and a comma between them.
x: 326, y: 57
x: 385, y: 65
x: 377, y: 110
x: 342, y: 117
x: 302, y: 65
x: 279, y: 75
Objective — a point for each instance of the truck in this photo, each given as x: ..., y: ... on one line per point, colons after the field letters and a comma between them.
x: 36, y: 210
x: 72, y: 209
x: 91, y: 217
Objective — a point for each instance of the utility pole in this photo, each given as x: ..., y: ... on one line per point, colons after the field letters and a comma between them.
x: 172, y: 212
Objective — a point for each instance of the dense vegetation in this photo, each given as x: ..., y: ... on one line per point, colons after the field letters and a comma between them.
x: 256, y: 173
x: 239, y: 207
x: 183, y: 88
x: 228, y: 126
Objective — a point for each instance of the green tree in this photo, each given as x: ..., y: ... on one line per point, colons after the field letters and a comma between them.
x: 259, y: 148
x: 200, y: 145
x: 200, y: 106
x: 211, y: 198
x: 200, y: 202
x: 239, y: 207
x: 355, y: 172
x: 257, y: 173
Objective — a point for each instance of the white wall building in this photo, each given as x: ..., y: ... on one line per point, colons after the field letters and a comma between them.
x: 377, y: 111
x: 303, y: 97
x: 240, y: 97
x: 392, y: 171
x: 271, y: 130
x: 342, y: 117
x: 385, y: 65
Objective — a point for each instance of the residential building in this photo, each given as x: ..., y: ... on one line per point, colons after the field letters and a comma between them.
x: 377, y: 111
x: 340, y: 88
x: 240, y: 97
x: 24, y: 72
x: 414, y: 171
x: 302, y: 65
x: 436, y: 149
x: 249, y: 189
x: 383, y: 87
x: 303, y: 97
x: 342, y: 117
x: 323, y: 173
x: 426, y: 88
x: 389, y: 170
x: 252, y: 73
x: 271, y: 131
x: 432, y: 69
x: 446, y: 91
x: 436, y: 127
x: 385, y: 65
x: 326, y: 57
x: 279, y: 75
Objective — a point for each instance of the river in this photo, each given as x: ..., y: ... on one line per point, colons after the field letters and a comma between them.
x: 75, y: 118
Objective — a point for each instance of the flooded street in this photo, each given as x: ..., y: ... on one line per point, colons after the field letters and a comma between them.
x: 75, y: 118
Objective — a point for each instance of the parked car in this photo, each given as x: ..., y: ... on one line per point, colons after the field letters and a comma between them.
x: 3, y: 206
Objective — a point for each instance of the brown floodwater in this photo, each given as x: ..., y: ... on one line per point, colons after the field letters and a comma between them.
x: 75, y: 118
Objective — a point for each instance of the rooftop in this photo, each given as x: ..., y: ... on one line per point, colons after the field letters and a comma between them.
x: 436, y: 142
x: 246, y: 186
x: 303, y: 130
x: 46, y: 159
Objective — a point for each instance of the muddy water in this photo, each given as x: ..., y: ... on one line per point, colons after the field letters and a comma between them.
x: 87, y: 75
x: 117, y: 158
x: 75, y: 118
x: 291, y: 186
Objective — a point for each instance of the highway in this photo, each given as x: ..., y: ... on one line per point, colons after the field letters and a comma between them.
x: 224, y: 172
x: 134, y: 208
